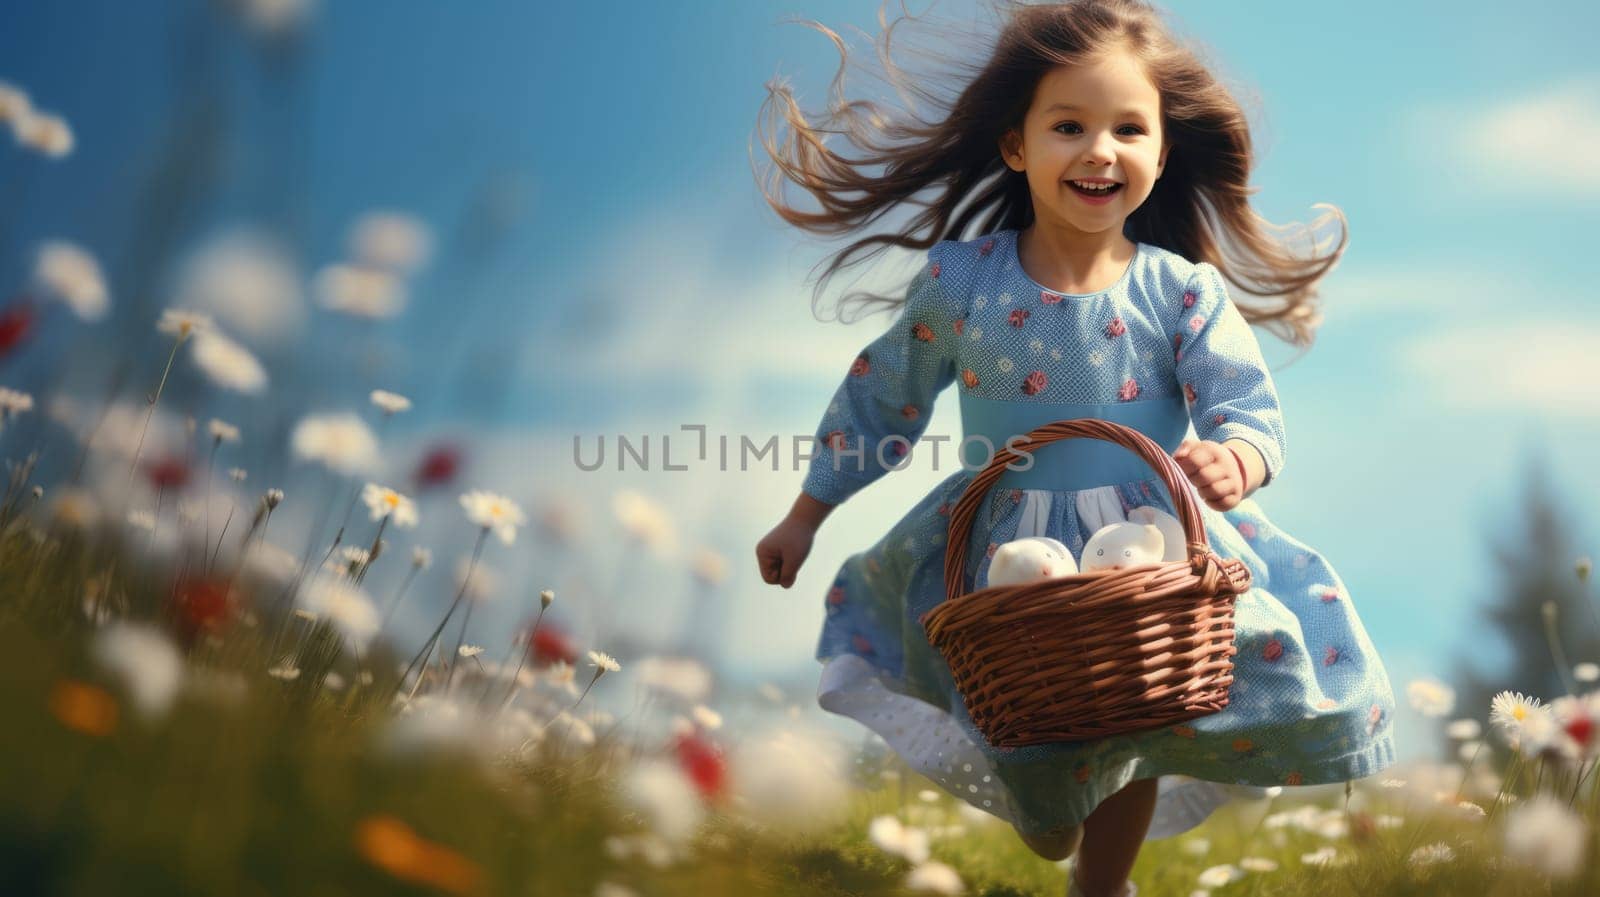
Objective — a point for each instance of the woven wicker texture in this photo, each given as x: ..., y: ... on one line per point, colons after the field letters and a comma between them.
x: 1094, y: 654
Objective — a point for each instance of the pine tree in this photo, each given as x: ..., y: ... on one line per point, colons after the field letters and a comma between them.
x: 1533, y: 564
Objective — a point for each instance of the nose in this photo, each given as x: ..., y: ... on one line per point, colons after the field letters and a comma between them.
x: 1101, y: 149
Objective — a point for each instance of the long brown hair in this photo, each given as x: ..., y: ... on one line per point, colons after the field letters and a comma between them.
x: 1199, y: 207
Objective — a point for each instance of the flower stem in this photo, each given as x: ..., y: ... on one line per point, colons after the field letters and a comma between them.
x: 151, y: 412
x: 477, y: 550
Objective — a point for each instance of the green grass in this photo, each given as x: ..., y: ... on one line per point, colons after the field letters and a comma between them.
x: 269, y: 790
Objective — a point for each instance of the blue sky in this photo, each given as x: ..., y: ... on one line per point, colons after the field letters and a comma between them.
x: 645, y: 285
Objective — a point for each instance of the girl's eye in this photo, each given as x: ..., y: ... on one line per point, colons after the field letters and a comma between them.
x: 1072, y: 124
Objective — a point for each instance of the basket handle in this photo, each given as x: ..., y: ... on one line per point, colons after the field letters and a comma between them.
x: 1178, y: 486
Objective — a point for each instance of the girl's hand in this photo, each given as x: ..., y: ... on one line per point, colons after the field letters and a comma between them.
x: 1213, y: 470
x: 781, y: 552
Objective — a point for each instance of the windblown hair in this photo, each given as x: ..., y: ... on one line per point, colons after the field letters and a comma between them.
x: 1198, y: 208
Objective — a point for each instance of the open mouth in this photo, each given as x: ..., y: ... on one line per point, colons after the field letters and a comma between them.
x: 1103, y: 190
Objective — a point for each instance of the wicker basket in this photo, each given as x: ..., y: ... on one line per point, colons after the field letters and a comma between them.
x: 1094, y: 654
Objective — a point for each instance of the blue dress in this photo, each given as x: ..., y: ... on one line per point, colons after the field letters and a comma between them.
x: 1310, y: 703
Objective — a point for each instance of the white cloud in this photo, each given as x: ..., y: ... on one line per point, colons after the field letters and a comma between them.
x: 1540, y: 367
x: 1536, y: 143
x: 1411, y: 287
x: 711, y: 326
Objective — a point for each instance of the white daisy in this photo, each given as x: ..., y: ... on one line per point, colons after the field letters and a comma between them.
x: 249, y: 281
x: 603, y: 662
x: 709, y: 567
x: 1257, y: 864
x: 384, y: 502
x: 682, y: 677
x: 227, y: 363
x: 1515, y: 715
x: 1004, y: 364
x: 390, y: 402
x: 1586, y: 672
x: 182, y: 323
x: 342, y: 442
x: 391, y: 241
x: 346, y: 606
x: 470, y: 650
x: 1430, y: 697
x: 706, y: 717
x: 496, y: 512
x: 221, y: 431
x: 1463, y: 729
x: 1430, y: 855
x: 1036, y: 346
x: 1544, y: 834
x: 14, y: 402
x: 359, y: 291
x: 14, y: 102
x: 421, y: 558
x: 150, y: 666
x: 900, y: 840
x: 936, y: 877
x: 645, y: 519
x: 42, y: 133
x: 1217, y: 876
x: 69, y: 274
x: 1097, y: 357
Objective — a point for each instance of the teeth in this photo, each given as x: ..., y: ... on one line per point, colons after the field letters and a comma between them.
x: 1098, y: 188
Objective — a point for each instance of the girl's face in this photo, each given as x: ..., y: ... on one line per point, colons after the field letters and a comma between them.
x: 1100, y: 121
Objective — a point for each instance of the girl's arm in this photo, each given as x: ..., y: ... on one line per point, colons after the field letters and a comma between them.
x: 1231, y: 397
x: 884, y: 403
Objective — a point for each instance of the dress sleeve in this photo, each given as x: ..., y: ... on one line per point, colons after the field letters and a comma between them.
x: 888, y: 392
x: 1224, y: 377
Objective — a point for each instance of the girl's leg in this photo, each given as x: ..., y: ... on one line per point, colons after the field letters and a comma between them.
x: 1112, y: 836
x: 1056, y: 844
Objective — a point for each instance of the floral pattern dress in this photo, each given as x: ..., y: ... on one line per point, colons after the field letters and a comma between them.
x: 1311, y: 702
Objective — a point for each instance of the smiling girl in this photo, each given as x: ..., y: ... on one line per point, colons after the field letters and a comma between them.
x: 1083, y: 204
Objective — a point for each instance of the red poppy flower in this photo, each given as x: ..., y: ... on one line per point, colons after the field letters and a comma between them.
x: 1035, y: 383
x: 1049, y: 298
x: 960, y: 325
x: 922, y: 332
x: 860, y: 367
x: 1273, y: 651
x: 439, y: 465
x: 16, y: 323
x: 986, y: 248
x: 1330, y: 657
x: 1116, y: 328
x: 201, y: 605
x: 969, y: 378
x: 934, y: 270
x: 167, y: 473
x: 551, y: 644
x: 703, y: 764
x: 1129, y: 390
x: 1017, y: 317
x: 909, y: 412
x: 1188, y: 299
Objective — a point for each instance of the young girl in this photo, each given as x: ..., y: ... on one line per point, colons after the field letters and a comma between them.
x: 1089, y: 210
